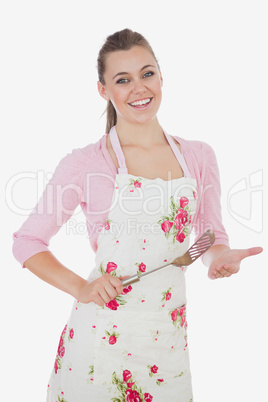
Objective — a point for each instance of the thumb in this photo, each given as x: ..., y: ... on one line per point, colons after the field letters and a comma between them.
x: 255, y: 250
x: 124, y: 277
x: 244, y: 253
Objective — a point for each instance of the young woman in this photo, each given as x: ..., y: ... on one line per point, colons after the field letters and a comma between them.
x: 142, y: 191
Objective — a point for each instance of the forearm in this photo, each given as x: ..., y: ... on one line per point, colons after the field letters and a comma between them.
x: 213, y: 253
x: 49, y: 269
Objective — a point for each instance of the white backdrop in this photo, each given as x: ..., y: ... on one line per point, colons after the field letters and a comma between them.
x: 213, y: 57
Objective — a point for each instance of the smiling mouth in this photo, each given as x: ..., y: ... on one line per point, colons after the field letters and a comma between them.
x: 141, y: 104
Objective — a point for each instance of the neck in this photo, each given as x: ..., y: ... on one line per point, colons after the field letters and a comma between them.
x: 143, y: 135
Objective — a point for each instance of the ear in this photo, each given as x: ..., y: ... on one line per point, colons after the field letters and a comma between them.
x: 161, y: 78
x: 102, y: 91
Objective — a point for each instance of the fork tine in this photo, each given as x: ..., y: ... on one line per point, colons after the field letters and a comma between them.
x: 201, y: 245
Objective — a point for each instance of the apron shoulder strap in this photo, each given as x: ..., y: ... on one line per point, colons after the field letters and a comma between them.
x: 178, y: 155
x: 118, y: 151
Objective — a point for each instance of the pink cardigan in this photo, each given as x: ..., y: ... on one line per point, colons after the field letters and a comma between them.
x: 86, y: 177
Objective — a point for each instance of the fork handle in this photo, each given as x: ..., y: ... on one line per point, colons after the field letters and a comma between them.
x: 131, y: 279
x: 136, y: 278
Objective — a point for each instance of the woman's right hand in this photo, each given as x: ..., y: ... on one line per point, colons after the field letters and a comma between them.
x: 101, y: 290
x: 49, y: 269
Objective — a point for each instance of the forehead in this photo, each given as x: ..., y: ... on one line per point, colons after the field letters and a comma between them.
x: 128, y: 60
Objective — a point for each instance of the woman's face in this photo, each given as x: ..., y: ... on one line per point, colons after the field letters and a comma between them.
x: 133, y: 83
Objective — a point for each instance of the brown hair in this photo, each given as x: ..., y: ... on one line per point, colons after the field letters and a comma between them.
x: 120, y: 40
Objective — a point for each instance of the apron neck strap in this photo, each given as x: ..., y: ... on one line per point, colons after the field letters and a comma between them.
x: 121, y: 158
x: 178, y: 155
x: 118, y: 151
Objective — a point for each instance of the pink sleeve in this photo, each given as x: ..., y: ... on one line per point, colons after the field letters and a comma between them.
x: 57, y: 204
x: 208, y: 214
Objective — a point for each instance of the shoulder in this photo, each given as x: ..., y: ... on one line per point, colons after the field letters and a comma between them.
x: 76, y: 162
x: 200, y: 151
x: 194, y: 145
x: 81, y: 157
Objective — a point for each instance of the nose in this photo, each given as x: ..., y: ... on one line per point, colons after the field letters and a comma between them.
x: 138, y: 87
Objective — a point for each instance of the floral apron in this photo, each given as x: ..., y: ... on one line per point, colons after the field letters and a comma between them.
x: 134, y: 348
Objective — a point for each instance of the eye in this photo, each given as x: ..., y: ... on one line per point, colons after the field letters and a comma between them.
x: 125, y: 80
x: 122, y: 81
x: 149, y: 74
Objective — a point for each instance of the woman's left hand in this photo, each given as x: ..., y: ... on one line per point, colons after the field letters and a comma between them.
x: 228, y: 263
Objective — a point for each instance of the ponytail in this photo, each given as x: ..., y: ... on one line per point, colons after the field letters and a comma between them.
x: 111, y: 116
x: 121, y: 40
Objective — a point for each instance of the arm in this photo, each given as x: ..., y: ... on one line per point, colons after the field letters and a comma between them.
x: 49, y: 269
x: 59, y: 200
x: 220, y: 259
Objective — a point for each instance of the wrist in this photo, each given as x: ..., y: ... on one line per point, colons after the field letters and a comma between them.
x: 78, y: 285
x: 213, y: 253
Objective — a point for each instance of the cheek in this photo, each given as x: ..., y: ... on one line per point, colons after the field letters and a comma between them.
x: 156, y: 87
x: 118, y: 102
x: 159, y: 86
x: 158, y: 91
x: 120, y: 98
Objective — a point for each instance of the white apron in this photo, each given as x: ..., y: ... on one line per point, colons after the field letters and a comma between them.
x: 134, y: 348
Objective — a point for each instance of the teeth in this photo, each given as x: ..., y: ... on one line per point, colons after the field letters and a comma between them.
x: 139, y: 103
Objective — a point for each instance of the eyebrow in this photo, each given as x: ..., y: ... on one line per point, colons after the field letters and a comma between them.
x: 124, y: 72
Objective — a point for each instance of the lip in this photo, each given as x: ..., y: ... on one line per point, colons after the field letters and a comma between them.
x: 138, y: 100
x: 142, y: 107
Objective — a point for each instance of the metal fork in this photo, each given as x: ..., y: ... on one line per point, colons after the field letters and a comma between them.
x: 195, y: 251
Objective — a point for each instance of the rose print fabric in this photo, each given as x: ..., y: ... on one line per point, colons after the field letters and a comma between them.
x: 135, y: 347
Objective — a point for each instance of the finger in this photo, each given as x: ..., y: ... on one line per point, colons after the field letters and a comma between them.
x: 232, y: 268
x: 255, y: 250
x: 110, y: 290
x: 122, y: 278
x: 248, y: 252
x: 112, y: 284
x: 98, y: 300
x: 212, y: 274
x: 225, y: 272
x: 215, y: 274
x: 101, y: 288
x: 117, y: 284
x: 219, y: 275
x: 105, y: 296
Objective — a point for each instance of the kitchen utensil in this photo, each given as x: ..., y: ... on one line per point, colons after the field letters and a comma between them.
x: 202, y: 244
